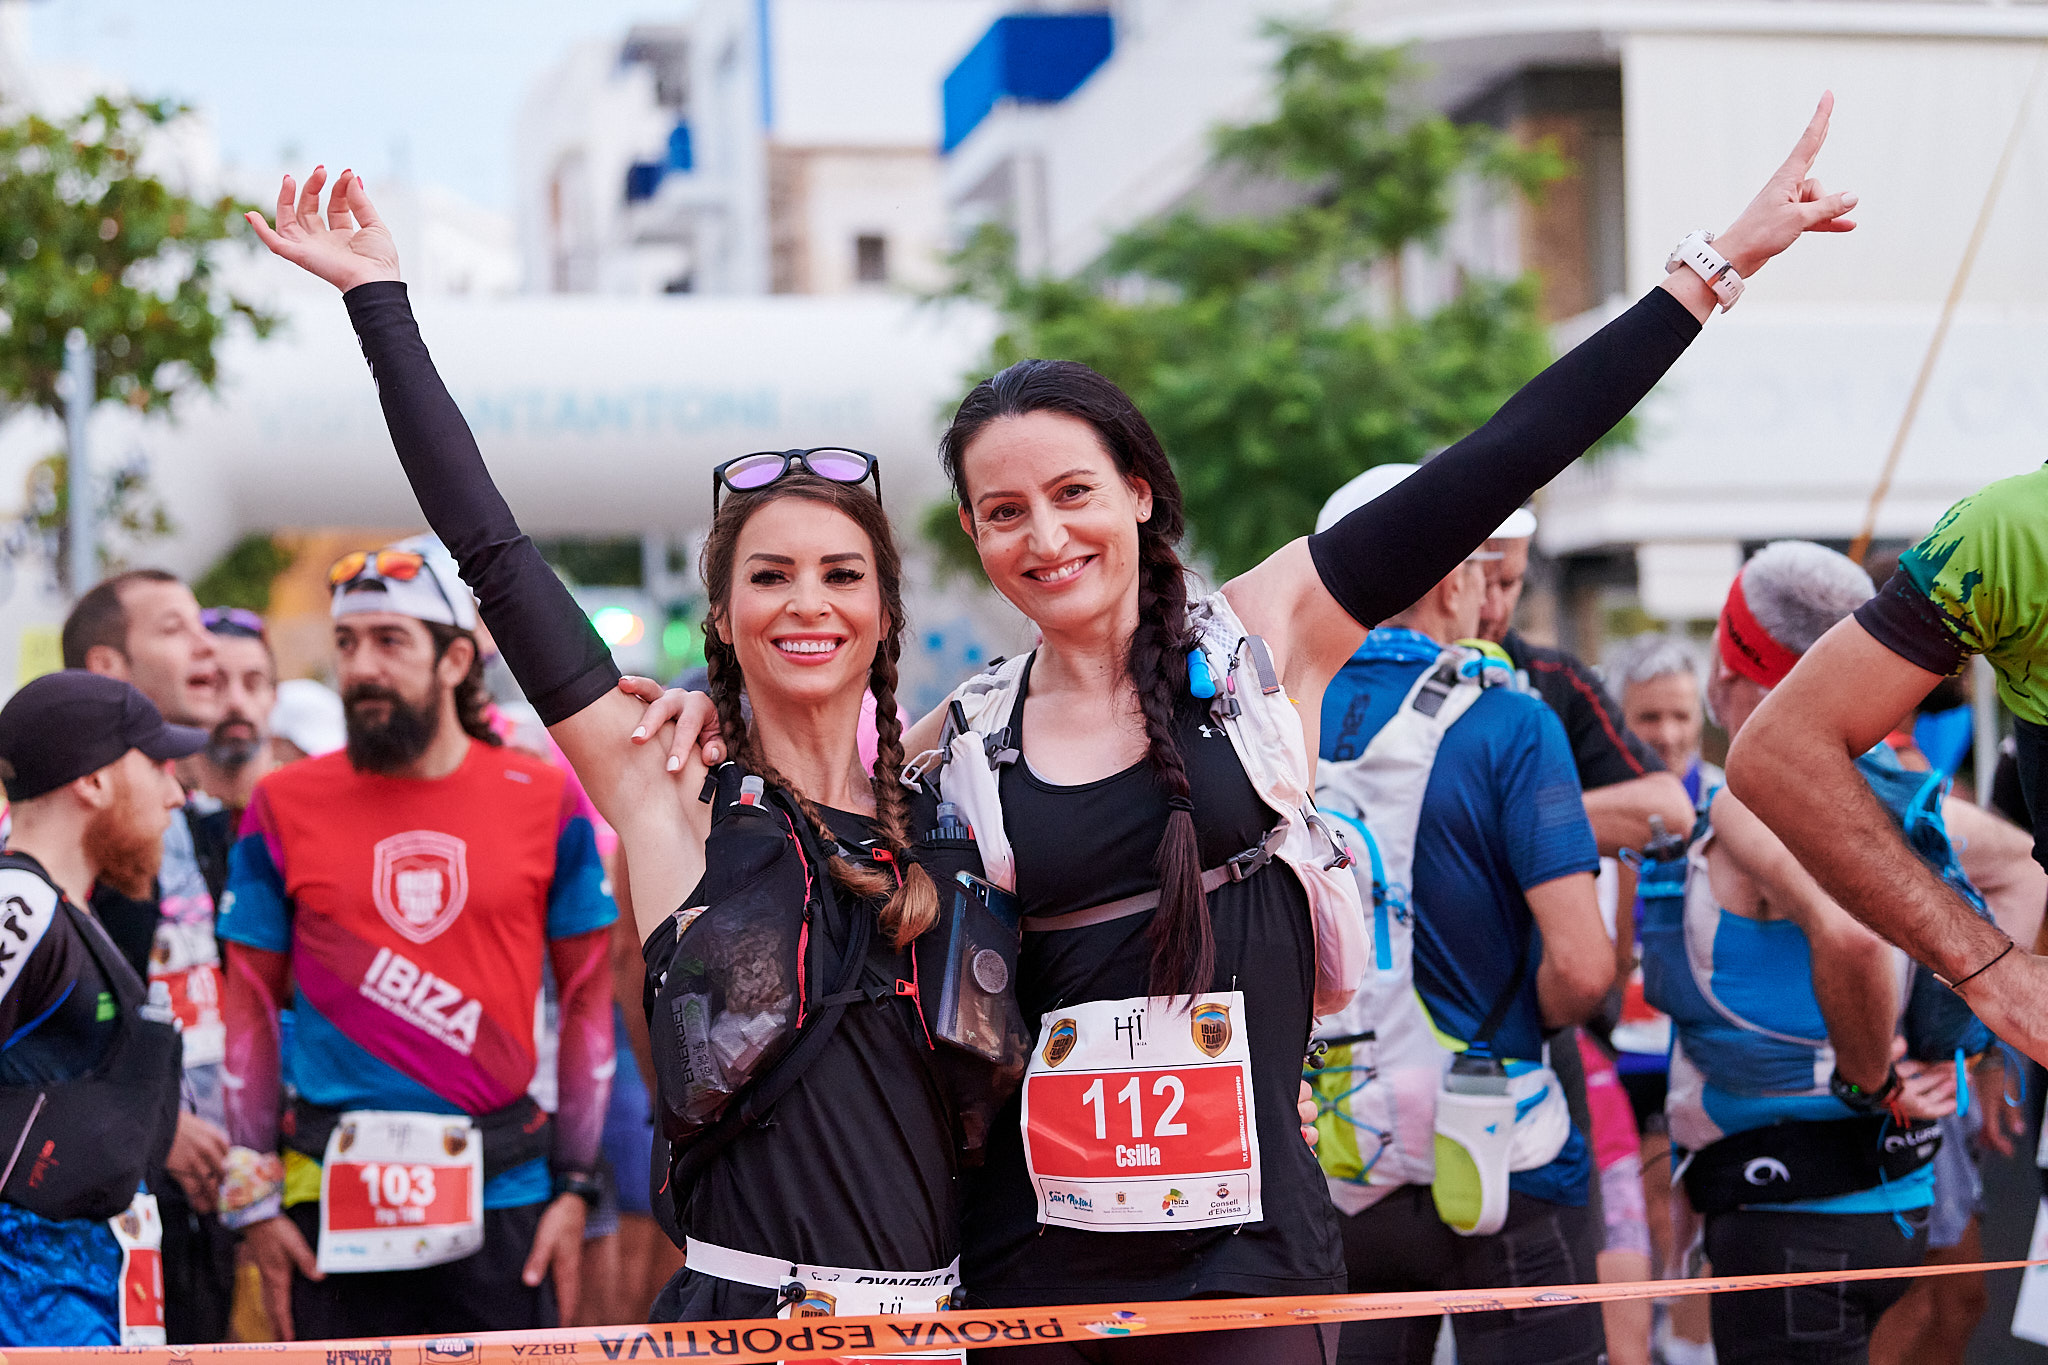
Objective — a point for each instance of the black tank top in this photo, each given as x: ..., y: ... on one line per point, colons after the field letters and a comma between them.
x: 1084, y: 845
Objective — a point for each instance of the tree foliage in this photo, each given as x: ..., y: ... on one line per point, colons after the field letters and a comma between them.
x: 1273, y: 351
x: 90, y: 239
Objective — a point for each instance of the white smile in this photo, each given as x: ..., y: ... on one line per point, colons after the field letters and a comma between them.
x: 808, y: 648
x: 1059, y: 573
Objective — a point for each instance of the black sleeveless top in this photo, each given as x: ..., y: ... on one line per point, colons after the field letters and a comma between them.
x: 1081, y: 846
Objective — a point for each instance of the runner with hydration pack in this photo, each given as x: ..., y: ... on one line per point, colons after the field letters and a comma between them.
x: 1797, y: 1137
x: 1149, y: 722
x: 1446, y: 1134
x: 797, y: 956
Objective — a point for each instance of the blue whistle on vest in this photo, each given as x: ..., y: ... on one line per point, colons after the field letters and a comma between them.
x: 1201, y: 682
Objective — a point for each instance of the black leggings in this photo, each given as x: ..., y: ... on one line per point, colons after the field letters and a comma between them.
x: 1295, y: 1345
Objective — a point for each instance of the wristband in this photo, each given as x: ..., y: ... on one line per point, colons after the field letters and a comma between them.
x: 251, y: 1187
x: 1996, y: 958
x: 1866, y: 1101
x: 582, y: 1184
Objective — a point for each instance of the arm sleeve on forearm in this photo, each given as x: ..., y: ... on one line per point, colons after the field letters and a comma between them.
x: 560, y: 662
x: 584, y: 1059
x: 1383, y: 557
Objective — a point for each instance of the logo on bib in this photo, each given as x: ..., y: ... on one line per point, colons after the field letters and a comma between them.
x: 455, y: 1139
x: 348, y: 1135
x: 420, y: 882
x: 1212, y: 1028
x: 814, y: 1304
x: 1059, y: 1043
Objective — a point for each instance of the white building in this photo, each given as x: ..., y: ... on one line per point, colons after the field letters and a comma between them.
x: 1777, y: 421
x: 756, y: 146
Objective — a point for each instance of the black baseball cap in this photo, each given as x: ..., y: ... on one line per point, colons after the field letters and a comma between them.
x: 64, y: 725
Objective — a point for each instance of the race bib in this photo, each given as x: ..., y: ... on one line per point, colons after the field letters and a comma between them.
x: 187, y: 960
x: 140, y: 1231
x: 400, y: 1191
x: 812, y: 1294
x: 1138, y: 1116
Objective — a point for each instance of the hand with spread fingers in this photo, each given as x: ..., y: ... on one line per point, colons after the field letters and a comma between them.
x: 347, y: 246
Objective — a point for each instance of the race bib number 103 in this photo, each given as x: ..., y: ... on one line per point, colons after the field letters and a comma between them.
x: 399, y: 1191
x: 1138, y: 1115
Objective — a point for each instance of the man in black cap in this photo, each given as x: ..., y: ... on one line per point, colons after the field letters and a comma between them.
x: 89, y: 1075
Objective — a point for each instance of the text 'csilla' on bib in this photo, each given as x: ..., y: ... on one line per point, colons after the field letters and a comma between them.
x: 399, y: 1191
x: 1138, y: 1115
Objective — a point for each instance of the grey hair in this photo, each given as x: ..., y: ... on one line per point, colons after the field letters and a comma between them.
x: 1799, y: 591
x: 1649, y: 656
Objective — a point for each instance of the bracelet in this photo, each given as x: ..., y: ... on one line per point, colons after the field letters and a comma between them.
x: 579, y: 1183
x: 2009, y: 946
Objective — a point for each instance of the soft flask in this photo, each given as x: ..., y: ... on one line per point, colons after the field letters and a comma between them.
x: 1475, y: 1132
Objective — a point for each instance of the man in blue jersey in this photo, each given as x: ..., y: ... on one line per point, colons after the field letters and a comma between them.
x: 1507, y: 945
x: 1805, y: 1146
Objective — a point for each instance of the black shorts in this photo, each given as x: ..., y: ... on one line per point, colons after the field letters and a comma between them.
x: 1401, y: 1244
x: 480, y: 1293
x: 1824, y: 1324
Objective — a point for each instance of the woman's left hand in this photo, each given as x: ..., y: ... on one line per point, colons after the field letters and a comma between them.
x: 351, y: 247
x: 1790, y: 204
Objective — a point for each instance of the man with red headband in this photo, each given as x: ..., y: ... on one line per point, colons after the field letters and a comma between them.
x: 1978, y: 584
x: 1808, y: 1132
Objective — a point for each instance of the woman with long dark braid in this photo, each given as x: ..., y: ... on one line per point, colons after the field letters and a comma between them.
x: 854, y: 1183
x: 1151, y: 1153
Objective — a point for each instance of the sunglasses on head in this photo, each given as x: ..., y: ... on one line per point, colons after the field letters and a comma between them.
x: 232, y: 621
x: 746, y: 473
x: 400, y: 566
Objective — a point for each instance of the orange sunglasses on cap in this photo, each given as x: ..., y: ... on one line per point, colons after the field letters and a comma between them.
x: 400, y: 566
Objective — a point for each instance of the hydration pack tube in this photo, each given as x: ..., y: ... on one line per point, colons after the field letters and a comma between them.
x: 81, y: 1148
x: 1791, y: 1162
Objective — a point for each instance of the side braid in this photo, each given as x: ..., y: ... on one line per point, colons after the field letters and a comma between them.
x: 915, y: 906
x: 723, y: 667
x: 1183, y: 941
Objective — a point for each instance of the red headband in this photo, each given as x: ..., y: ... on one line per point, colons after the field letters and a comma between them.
x: 1746, y: 647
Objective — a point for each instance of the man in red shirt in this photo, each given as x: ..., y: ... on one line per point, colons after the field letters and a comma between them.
x: 402, y: 896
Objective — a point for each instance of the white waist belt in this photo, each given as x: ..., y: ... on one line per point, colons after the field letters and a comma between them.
x: 768, y: 1272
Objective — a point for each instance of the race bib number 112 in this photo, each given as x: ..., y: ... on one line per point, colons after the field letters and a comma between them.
x: 1138, y: 1115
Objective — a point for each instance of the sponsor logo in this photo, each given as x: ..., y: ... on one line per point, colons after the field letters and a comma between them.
x: 1223, y: 1191
x: 1554, y: 1298
x: 1211, y: 1027
x: 1473, y: 1305
x: 420, y: 882
x: 455, y: 1139
x: 348, y: 1136
x: 1060, y: 1041
x: 815, y: 1303
x: 1172, y: 1200
x: 1070, y: 1198
x: 544, y: 1348
x: 449, y: 1351
x: 1138, y: 1154
x: 1120, y: 1196
x: 1765, y: 1169
x: 377, y: 1355
x: 423, y: 999
x: 1121, y: 1323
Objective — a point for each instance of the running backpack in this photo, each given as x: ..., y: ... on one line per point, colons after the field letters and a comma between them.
x: 1383, y: 1061
x: 1247, y: 700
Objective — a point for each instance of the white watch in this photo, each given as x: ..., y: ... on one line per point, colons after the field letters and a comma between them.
x: 1696, y: 249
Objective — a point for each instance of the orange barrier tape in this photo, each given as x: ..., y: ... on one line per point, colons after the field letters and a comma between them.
x: 755, y: 1341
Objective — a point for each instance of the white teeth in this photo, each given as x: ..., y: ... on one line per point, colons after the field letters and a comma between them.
x: 1063, y: 573
x: 807, y: 646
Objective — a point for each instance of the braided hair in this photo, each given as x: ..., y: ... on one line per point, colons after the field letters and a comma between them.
x: 1183, y: 941
x: 912, y: 904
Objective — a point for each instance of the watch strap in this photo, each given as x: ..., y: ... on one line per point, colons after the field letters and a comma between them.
x: 1695, y: 251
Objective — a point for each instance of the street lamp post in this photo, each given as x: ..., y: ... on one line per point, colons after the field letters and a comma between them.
x: 78, y: 397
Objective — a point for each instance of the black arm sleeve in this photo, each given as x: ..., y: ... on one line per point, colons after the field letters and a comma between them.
x: 560, y: 662
x: 1901, y: 619
x: 1383, y: 557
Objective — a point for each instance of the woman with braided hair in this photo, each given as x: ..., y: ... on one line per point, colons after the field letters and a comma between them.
x: 806, y: 616
x: 1180, y: 925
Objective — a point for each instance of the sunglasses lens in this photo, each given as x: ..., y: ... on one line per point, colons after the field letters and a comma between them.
x: 401, y: 565
x: 347, y: 567
x: 753, y: 471
x: 840, y: 466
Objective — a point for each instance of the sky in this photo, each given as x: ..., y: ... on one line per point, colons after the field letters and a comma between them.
x: 426, y: 90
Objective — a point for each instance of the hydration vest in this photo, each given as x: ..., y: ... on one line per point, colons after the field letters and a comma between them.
x: 1383, y: 1059
x: 1763, y: 1047
x: 81, y: 1148
x: 1247, y: 701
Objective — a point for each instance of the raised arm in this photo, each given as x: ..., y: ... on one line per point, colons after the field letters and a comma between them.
x: 561, y: 664
x: 1314, y: 599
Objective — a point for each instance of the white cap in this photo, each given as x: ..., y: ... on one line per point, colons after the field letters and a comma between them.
x: 309, y: 715
x: 1520, y: 523
x: 438, y: 594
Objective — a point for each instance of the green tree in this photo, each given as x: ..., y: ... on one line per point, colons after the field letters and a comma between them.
x: 91, y: 239
x: 1275, y: 352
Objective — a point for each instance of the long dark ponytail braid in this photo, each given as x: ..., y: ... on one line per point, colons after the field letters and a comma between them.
x: 1183, y: 942
x: 913, y: 902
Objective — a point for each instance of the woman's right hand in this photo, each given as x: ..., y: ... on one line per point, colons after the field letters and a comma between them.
x: 697, y: 735
x: 351, y: 247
